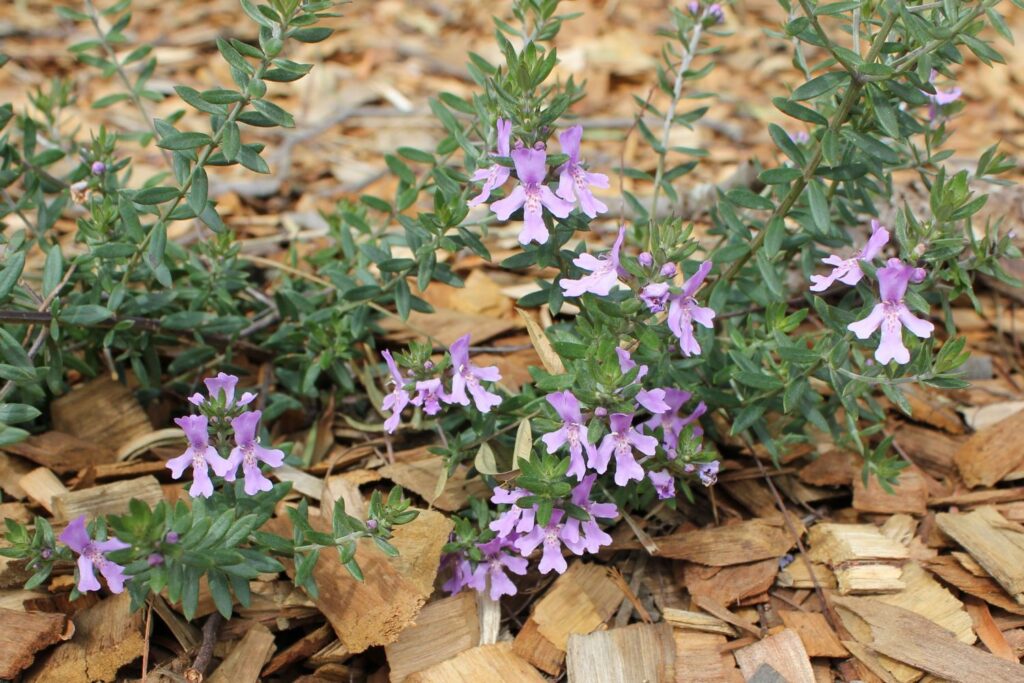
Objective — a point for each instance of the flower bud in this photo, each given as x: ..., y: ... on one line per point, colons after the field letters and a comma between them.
x: 371, y: 524
x: 645, y: 259
x: 171, y: 537
x: 98, y: 168
x: 154, y: 559
x: 600, y: 411
x: 668, y: 270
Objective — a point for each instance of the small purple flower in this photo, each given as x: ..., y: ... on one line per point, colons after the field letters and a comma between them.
x: 800, y: 137
x: 550, y: 537
x: 683, y: 311
x: 493, y: 567
x: 398, y: 399
x: 223, y: 384
x: 429, y: 394
x: 716, y: 13
x: 653, y: 400
x: 848, y: 270
x: 573, y: 432
x: 469, y: 376
x: 604, y: 272
x: 91, y: 558
x: 708, y: 472
x: 496, y: 175
x: 668, y: 270
x: 672, y: 422
x: 892, y: 314
x: 574, y: 182
x: 664, y: 484
x: 249, y: 454
x: 626, y: 363
x: 621, y: 441
x: 940, y: 99
x: 200, y: 455
x: 516, y: 519
x: 98, y: 168
x: 786, y: 560
x: 655, y: 296
x: 588, y: 536
x: 531, y: 194
x: 154, y: 559
x: 171, y: 537
x: 645, y: 259
x: 693, y: 7
x: 461, y: 572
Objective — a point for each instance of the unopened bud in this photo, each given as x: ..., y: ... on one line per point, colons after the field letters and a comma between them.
x: 98, y: 168
x: 645, y: 259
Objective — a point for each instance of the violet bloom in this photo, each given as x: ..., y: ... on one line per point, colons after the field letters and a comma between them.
x: 604, y: 272
x: 588, y: 536
x: 531, y: 194
x: 708, y: 472
x: 800, y: 137
x: 462, y: 572
x: 941, y: 97
x: 493, y: 567
x: 98, y: 168
x: 673, y: 422
x: 550, y: 537
x: 223, y: 384
x: 664, y: 484
x: 716, y: 13
x: 621, y: 441
x: 653, y: 400
x: 683, y: 311
x: 655, y: 295
x: 429, y: 394
x: 645, y: 259
x: 516, y: 519
x: 626, y: 363
x: 91, y: 558
x: 848, y: 270
x: 496, y: 175
x: 573, y: 432
x: 574, y: 182
x: 200, y: 455
x: 892, y: 314
x: 249, y: 454
x: 398, y: 399
x: 469, y: 376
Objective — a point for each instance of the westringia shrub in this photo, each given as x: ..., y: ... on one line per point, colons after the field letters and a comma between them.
x: 791, y: 320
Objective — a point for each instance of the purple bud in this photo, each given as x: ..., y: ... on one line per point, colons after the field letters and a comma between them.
x: 98, y: 168
x: 694, y: 7
x: 46, y: 553
x: 600, y: 411
x: 668, y: 270
x: 154, y: 559
x: 429, y: 365
x: 371, y: 524
x: 540, y: 146
x: 645, y: 259
x: 171, y: 537
x: 716, y: 13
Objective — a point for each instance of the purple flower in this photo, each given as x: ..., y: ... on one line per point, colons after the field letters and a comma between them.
x: 708, y: 472
x: 573, y: 432
x: 604, y: 272
x: 171, y: 537
x: 621, y: 441
x: 664, y: 484
x: 516, y: 519
x: 469, y: 376
x: 800, y: 137
x: 496, y: 175
x: 154, y: 559
x: 531, y: 194
x: 716, y: 13
x: 551, y: 538
x: 573, y: 181
x: 892, y: 314
x: 224, y: 384
x: 668, y: 270
x: 655, y: 296
x: 683, y: 311
x: 462, y: 572
x: 199, y: 454
x: 91, y: 558
x: 848, y: 270
x: 672, y: 422
x: 98, y: 168
x: 645, y: 259
x: 429, y: 394
x: 494, y: 565
x: 653, y: 400
x: 941, y: 97
x: 588, y: 536
x: 694, y: 7
x: 398, y: 399
x: 249, y: 454
x: 626, y: 363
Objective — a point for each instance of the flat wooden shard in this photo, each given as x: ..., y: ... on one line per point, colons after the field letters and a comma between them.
x: 106, y: 499
x: 992, y: 453
x: 909, y: 495
x: 419, y: 471
x: 443, y: 629
x: 862, y: 558
x: 815, y: 633
x: 696, y: 621
x: 497, y: 663
x: 918, y: 643
x: 730, y: 585
x: 924, y: 596
x: 23, y: 634
x: 996, y: 543
x: 62, y: 453
x: 101, y: 411
x: 784, y: 652
x: 640, y: 652
x: 41, y: 485
x: 741, y: 543
x: 580, y: 601
x: 108, y: 635
x: 699, y: 659
x: 247, y: 657
x: 984, y: 587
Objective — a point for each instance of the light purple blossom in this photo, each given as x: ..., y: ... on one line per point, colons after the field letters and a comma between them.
x: 654, y: 295
x: 604, y: 272
x: 621, y: 441
x: 574, y: 182
x: 200, y: 455
x: 673, y: 422
x: 399, y: 398
x: 683, y: 312
x: 491, y: 571
x: 573, y: 432
x: 800, y: 137
x: 892, y: 314
x: 223, y: 385
x: 496, y: 175
x: 708, y: 472
x: 516, y: 519
x: 551, y: 537
x: 715, y: 12
x: 645, y: 259
x: 249, y: 454
x: 848, y: 270
x: 653, y: 400
x: 91, y: 558
x: 98, y: 168
x: 429, y: 394
x: 461, y: 572
x: 940, y: 99
x: 469, y: 376
x: 668, y: 270
x: 588, y: 536
x: 626, y: 363
x: 532, y: 195
x: 664, y: 484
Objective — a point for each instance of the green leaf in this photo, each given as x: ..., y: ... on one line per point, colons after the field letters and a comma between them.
x: 194, y: 98
x: 251, y: 159
x: 198, y: 192
x: 11, y: 272
x: 798, y: 111
x: 274, y: 113
x: 741, y: 196
x: 84, y: 314
x: 184, y: 141
x: 313, y: 34
x: 231, y: 141
x: 155, y: 195
x: 821, y: 85
x: 256, y: 15
x: 13, y: 413
x: 53, y: 269
x: 108, y: 100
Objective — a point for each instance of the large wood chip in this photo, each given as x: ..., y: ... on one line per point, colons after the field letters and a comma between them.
x: 995, y: 542
x: 815, y: 633
x: 106, y: 499
x: 863, y: 559
x: 442, y: 630
x: 909, y: 495
x: 953, y: 572
x: 784, y: 652
x: 992, y: 453
x: 700, y: 659
x: 924, y: 596
x: 485, y: 663
x: 247, y: 657
x: 62, y: 453
x: 420, y: 472
x: 101, y: 411
x: 640, y: 652
x: 730, y: 585
x: 446, y: 325
x: 740, y: 543
x: 23, y: 634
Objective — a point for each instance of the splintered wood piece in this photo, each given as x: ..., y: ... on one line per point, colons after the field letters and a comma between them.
x: 817, y: 636
x: 988, y: 631
x: 699, y: 659
x: 41, y: 485
x: 909, y: 495
x: 730, y: 585
x: 304, y: 483
x: 696, y: 621
x: 375, y: 611
x: 484, y: 663
x: 797, y: 575
x: 871, y: 666
x: 187, y: 635
x: 247, y: 657
x: 832, y: 468
x: 929, y: 449
x: 924, y: 596
x: 108, y: 635
x: 442, y: 630
x: 717, y: 609
x: 24, y: 634
x: 952, y: 572
x: 11, y: 471
x: 101, y: 411
x: 863, y: 559
x: 62, y: 453
x: 106, y: 499
x: 757, y: 539
x: 995, y: 542
x: 640, y: 652
x: 301, y: 650
x: 420, y: 471
x: 921, y: 644
x: 446, y: 325
x: 854, y: 579
x: 784, y: 652
x: 992, y: 453
x: 580, y: 601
